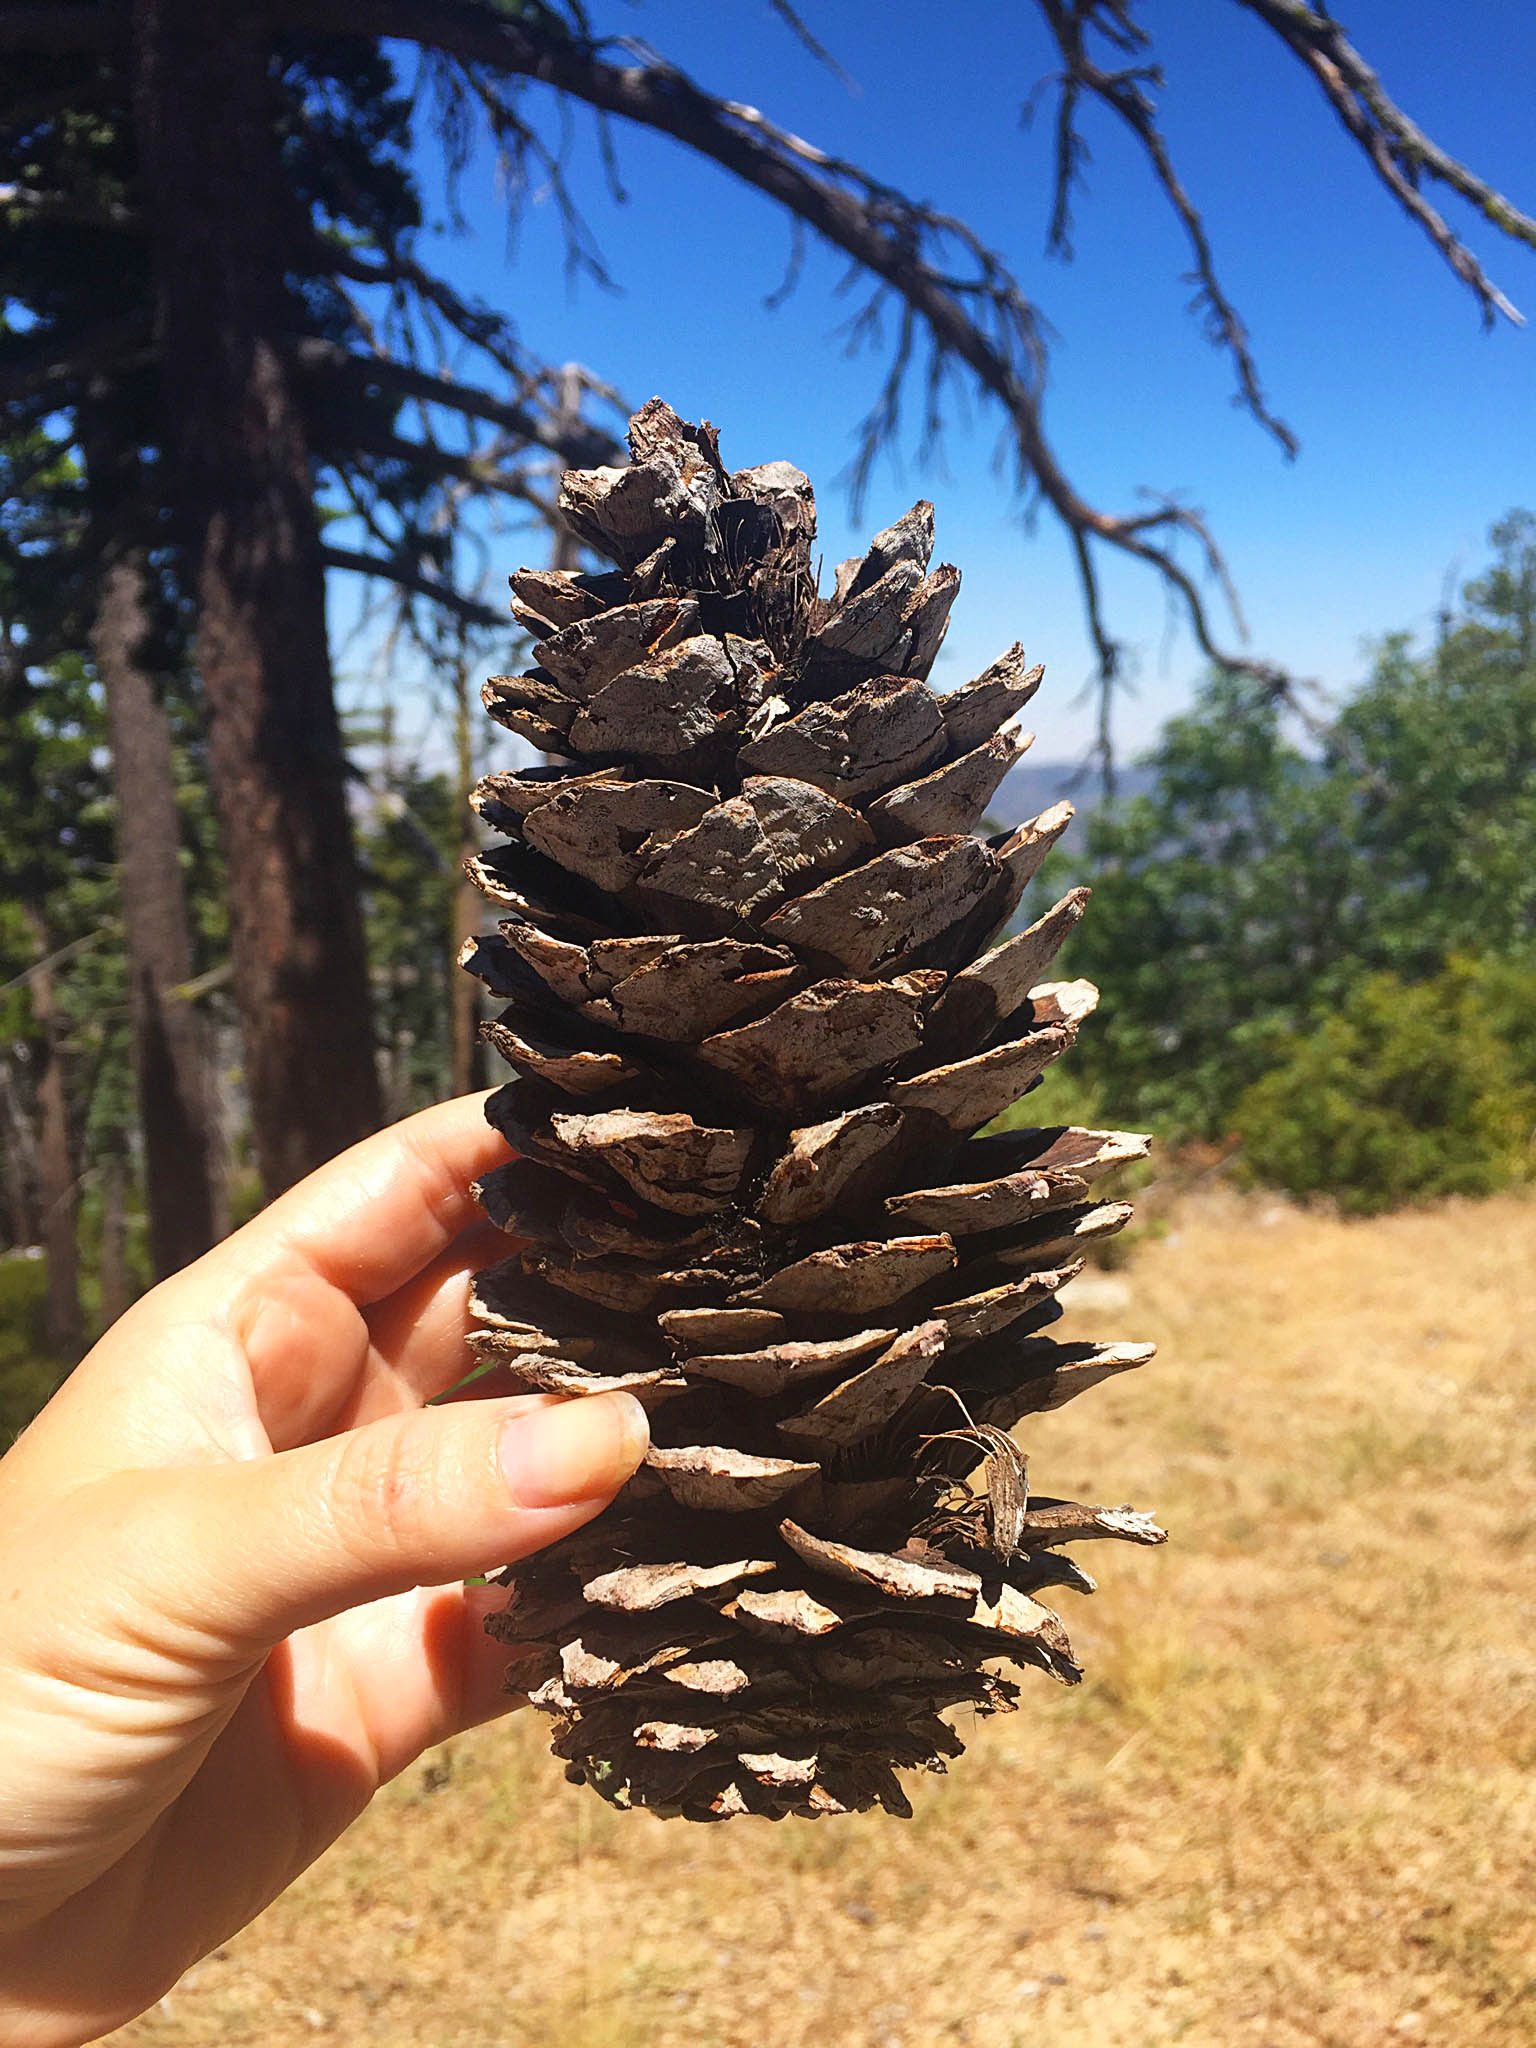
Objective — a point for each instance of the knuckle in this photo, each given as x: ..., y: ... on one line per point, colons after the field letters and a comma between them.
x: 383, y: 1491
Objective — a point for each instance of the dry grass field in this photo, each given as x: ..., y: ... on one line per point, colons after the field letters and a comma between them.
x: 1293, y: 1803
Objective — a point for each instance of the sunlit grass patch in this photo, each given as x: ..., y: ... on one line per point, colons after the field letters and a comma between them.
x: 1290, y: 1805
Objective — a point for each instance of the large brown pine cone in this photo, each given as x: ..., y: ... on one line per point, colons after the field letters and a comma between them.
x: 756, y: 1025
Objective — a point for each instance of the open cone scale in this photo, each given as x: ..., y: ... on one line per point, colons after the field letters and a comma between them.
x: 756, y: 1027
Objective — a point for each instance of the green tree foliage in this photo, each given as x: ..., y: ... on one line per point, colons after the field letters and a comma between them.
x: 408, y: 851
x: 55, y: 836
x: 177, y: 251
x: 63, y: 1036
x: 1278, y: 928
x: 366, y: 328
x: 28, y: 1375
x: 1221, y: 901
x: 1406, y: 1092
x: 1444, y: 817
x: 61, y: 913
x: 233, y: 367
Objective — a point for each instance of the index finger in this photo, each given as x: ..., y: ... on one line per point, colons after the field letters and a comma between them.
x: 368, y: 1221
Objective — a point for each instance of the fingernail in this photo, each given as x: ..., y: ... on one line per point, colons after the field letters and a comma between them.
x: 582, y: 1448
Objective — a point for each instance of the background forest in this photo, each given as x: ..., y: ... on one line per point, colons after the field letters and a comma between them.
x: 233, y: 374
x: 303, y: 308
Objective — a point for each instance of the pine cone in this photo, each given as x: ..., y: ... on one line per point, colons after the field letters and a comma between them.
x: 755, y: 1027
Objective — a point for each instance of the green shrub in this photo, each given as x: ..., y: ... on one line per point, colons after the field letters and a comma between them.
x: 1404, y: 1093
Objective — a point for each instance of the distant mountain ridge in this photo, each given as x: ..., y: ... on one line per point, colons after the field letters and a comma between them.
x: 1033, y: 785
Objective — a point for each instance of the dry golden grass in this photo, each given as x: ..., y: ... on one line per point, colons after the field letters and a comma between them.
x: 1291, y: 1804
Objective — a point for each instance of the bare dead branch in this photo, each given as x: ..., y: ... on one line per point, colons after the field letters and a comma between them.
x: 1127, y: 92
x: 487, y: 471
x: 412, y: 286
x: 581, y: 444
x: 803, y: 33
x: 956, y: 304
x: 477, y: 325
x: 1109, y: 652
x: 1396, y: 148
x: 979, y: 316
x: 406, y: 576
x: 518, y: 145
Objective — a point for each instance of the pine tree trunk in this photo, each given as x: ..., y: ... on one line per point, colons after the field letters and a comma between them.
x: 170, y: 1066
x: 245, y: 495
x: 64, y: 1328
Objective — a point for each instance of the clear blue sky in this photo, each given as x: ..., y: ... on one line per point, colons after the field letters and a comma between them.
x: 1417, y: 428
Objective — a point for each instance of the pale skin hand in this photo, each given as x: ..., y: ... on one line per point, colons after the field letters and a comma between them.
x: 231, y: 1561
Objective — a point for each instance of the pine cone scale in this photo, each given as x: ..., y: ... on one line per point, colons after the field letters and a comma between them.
x: 755, y: 1028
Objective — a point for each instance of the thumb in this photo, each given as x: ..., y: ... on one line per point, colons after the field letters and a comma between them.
x: 415, y: 1499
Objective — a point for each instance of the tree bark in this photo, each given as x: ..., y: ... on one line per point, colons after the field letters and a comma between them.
x: 170, y: 1064
x: 245, y: 495
x: 64, y: 1326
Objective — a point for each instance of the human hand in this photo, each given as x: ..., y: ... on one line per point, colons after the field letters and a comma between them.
x: 231, y: 1559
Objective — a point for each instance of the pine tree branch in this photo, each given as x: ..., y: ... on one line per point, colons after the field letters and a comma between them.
x: 582, y: 445
x: 957, y: 298
x: 980, y: 317
x: 1396, y: 148
x: 483, y: 329
x: 406, y: 577
x: 111, y: 345
x: 552, y: 424
x: 801, y: 30
x: 486, y: 471
x: 20, y: 116
x: 396, y: 270
x: 19, y: 469
x: 1125, y: 92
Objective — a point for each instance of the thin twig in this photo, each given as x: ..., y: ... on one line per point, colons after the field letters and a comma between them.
x: 1127, y: 92
x: 408, y: 577
x: 1397, y: 149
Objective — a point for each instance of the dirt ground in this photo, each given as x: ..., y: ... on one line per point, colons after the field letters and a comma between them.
x: 1293, y: 1802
